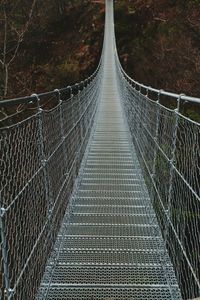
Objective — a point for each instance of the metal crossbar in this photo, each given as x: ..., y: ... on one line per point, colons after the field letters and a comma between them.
x: 100, y: 194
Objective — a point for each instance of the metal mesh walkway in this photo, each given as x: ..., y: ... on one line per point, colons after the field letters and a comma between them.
x: 100, y: 193
x: 110, y: 244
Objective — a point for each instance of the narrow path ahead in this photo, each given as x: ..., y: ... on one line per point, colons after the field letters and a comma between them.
x: 112, y: 246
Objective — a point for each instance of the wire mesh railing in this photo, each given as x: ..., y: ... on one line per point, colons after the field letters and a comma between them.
x: 39, y: 161
x: 168, y: 146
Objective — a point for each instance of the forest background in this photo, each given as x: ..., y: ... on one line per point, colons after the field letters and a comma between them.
x: 53, y: 43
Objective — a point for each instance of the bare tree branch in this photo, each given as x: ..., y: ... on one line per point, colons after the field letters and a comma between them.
x: 9, y: 55
x: 21, y: 35
x: 5, y: 32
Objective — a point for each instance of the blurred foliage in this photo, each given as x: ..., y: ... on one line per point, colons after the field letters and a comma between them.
x: 158, y: 42
x: 60, y: 74
x: 61, y: 46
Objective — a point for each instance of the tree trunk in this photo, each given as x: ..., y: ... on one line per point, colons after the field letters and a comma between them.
x: 5, y: 81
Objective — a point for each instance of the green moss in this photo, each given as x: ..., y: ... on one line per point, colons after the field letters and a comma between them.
x: 60, y: 74
x: 195, y: 116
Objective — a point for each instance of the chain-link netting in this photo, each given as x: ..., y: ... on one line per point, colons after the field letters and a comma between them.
x: 39, y: 160
x: 168, y: 145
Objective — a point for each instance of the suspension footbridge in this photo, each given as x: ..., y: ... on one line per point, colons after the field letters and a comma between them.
x: 100, y: 195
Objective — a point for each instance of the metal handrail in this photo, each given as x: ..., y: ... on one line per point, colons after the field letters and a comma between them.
x: 162, y: 92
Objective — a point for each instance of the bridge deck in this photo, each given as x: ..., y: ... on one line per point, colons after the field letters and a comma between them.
x: 111, y: 243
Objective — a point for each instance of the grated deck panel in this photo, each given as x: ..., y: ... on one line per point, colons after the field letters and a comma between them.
x: 110, y: 293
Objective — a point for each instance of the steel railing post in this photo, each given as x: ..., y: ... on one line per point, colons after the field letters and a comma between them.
x: 44, y: 160
x: 62, y: 132
x: 4, y: 252
x: 156, y: 135
x: 173, y: 153
x: 171, y: 171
